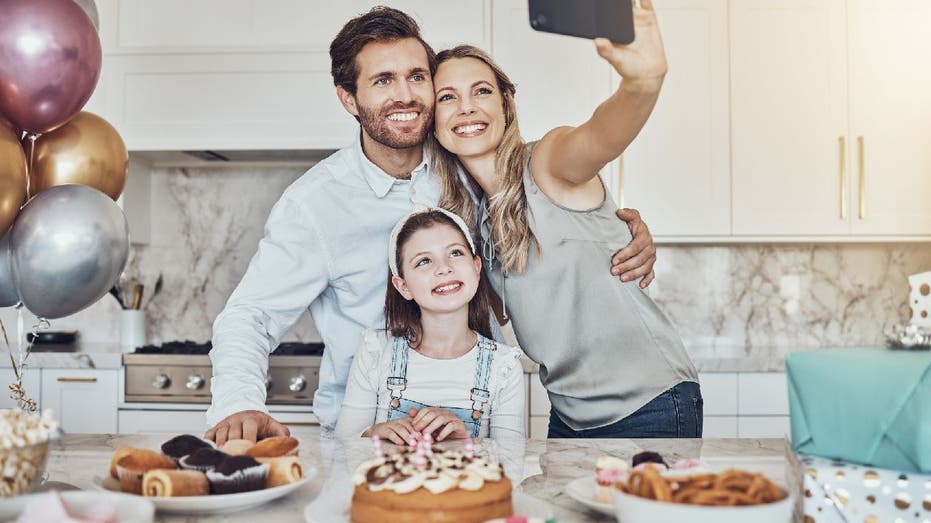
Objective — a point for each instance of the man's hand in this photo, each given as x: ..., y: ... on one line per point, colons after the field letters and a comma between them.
x: 396, y: 431
x: 248, y: 424
x: 637, y: 258
x: 432, y: 419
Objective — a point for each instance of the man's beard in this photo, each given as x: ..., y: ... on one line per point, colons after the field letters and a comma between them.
x: 375, y: 123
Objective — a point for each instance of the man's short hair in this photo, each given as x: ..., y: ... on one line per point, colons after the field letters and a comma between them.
x: 381, y: 24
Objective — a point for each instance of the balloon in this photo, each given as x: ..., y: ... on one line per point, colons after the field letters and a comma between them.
x: 49, y: 62
x: 70, y: 243
x: 86, y: 150
x: 9, y: 125
x: 12, y: 178
x: 90, y: 8
x: 8, y: 294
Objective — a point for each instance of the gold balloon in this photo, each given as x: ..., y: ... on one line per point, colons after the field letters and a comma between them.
x: 87, y: 150
x: 12, y: 178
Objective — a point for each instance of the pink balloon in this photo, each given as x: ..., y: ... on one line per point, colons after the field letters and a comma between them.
x: 49, y: 62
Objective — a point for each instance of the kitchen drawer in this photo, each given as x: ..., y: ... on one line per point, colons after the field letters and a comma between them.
x: 84, y: 400
x: 762, y: 394
x: 763, y: 426
x: 539, y: 427
x: 539, y: 400
x: 719, y: 427
x: 719, y: 391
x: 163, y: 422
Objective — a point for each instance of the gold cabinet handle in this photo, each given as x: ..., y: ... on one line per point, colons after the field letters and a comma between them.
x: 77, y: 380
x: 862, y: 178
x: 842, y: 146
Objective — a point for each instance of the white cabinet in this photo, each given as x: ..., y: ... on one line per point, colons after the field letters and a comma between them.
x: 677, y: 171
x: 890, y: 111
x: 32, y: 384
x: 243, y: 74
x: 829, y: 108
x: 538, y: 410
x: 788, y: 112
x: 745, y: 404
x: 560, y: 80
x: 162, y: 422
x: 84, y: 400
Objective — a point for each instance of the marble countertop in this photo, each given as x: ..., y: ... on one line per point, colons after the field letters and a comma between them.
x: 543, y: 467
x: 79, y: 356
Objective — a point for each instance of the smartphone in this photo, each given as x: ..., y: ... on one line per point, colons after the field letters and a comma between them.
x: 611, y: 19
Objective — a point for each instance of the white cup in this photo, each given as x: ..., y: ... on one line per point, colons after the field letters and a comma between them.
x: 132, y: 329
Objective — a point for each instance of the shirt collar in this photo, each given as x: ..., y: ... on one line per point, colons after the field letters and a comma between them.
x: 380, y: 181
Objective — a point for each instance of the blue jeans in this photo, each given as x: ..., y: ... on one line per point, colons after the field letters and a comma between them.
x: 676, y: 413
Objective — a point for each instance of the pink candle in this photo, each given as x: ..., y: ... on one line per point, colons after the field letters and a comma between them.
x: 469, y: 448
x: 376, y: 446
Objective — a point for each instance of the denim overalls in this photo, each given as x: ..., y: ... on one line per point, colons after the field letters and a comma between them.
x: 398, y: 407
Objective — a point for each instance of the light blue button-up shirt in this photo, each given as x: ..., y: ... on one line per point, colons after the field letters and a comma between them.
x: 325, y: 248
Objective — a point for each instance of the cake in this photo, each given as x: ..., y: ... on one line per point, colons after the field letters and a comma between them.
x: 236, y: 474
x: 444, y: 486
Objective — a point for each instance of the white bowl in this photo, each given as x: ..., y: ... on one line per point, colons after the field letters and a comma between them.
x: 129, y: 509
x: 634, y: 509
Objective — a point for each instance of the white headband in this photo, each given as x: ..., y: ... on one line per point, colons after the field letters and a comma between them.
x: 393, y: 241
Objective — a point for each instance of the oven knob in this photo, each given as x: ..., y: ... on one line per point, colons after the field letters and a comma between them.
x: 298, y: 383
x: 162, y: 381
x: 194, y: 382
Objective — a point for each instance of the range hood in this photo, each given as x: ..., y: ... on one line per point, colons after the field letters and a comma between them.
x: 220, y: 158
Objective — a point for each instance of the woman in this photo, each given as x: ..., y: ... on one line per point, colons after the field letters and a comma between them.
x: 612, y: 363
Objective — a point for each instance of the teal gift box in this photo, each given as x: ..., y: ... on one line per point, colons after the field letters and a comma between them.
x: 863, y: 405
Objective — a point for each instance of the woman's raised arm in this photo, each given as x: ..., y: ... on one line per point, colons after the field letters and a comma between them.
x: 574, y: 155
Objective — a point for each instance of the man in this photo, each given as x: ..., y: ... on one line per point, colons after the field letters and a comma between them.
x: 325, y: 243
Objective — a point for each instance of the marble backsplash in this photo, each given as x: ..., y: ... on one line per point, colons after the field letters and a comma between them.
x: 734, y: 300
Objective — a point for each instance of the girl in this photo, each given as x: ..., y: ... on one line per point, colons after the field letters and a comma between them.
x: 612, y: 363
x: 434, y: 369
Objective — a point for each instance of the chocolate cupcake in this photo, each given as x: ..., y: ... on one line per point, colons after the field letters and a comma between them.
x: 180, y: 446
x: 203, y: 459
x: 647, y: 456
x: 237, y: 474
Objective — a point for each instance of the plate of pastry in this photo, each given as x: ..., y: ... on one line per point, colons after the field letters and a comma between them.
x: 190, y: 475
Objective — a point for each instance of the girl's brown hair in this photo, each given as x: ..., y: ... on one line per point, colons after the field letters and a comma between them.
x: 402, y: 317
x: 508, y: 209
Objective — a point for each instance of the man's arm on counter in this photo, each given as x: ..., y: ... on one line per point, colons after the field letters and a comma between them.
x: 289, y: 270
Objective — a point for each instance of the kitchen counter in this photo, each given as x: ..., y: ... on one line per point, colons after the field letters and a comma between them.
x: 545, y: 467
x: 79, y: 356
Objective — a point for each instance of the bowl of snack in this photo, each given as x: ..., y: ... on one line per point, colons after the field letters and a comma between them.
x: 24, y: 447
x: 653, y: 492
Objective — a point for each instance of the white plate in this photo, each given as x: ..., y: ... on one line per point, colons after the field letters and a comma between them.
x: 320, y: 511
x: 217, y: 503
x: 583, y: 491
x: 129, y: 509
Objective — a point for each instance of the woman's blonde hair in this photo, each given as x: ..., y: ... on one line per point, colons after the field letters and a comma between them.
x: 508, y: 208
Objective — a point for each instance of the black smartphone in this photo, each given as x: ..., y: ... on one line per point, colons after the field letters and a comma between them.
x: 611, y: 19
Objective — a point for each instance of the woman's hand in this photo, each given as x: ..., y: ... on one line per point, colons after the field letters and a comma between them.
x: 396, y: 431
x: 432, y: 419
x: 642, y: 63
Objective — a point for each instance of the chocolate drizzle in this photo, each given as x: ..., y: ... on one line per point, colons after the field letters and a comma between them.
x: 441, y: 470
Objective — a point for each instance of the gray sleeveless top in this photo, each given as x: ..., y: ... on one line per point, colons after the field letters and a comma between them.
x: 605, y: 349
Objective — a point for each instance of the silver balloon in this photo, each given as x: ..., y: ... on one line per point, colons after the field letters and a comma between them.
x: 70, y: 243
x: 90, y: 8
x: 8, y: 294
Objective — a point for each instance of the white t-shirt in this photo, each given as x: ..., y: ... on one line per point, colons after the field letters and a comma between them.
x: 441, y: 383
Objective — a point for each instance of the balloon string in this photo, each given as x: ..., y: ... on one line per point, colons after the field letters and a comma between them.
x: 32, y: 154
